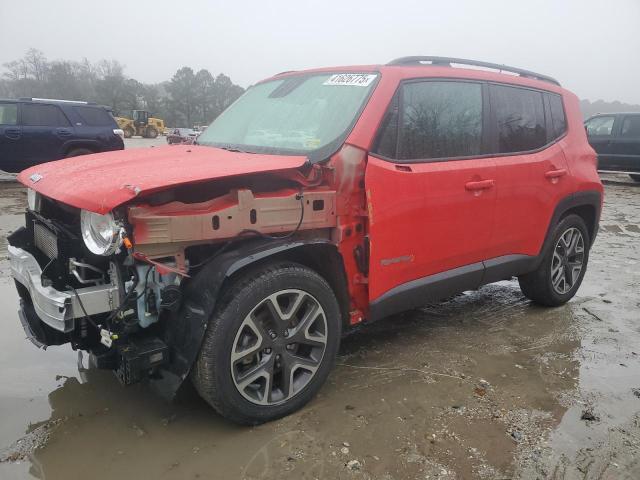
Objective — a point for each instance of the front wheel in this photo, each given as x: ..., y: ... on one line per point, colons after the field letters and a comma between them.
x: 151, y: 132
x: 562, y: 269
x: 270, y: 344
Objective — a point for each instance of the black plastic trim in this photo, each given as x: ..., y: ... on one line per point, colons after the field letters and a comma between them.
x: 503, y: 268
x: 591, y: 198
x: 427, y: 289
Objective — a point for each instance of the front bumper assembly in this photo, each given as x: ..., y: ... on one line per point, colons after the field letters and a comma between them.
x: 59, y: 309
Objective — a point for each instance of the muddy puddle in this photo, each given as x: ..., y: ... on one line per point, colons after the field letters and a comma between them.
x: 483, y: 386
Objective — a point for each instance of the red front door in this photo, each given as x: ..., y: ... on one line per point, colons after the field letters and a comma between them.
x: 431, y: 194
x: 427, y: 218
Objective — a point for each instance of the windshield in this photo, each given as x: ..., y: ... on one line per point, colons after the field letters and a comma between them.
x: 297, y: 115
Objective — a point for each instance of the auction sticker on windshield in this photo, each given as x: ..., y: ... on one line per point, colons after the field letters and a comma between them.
x: 352, y: 79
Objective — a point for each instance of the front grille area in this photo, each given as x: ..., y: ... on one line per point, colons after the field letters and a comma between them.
x: 45, y: 240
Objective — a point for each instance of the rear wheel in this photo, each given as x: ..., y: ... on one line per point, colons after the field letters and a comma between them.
x: 562, y: 269
x: 270, y: 344
x: 76, y: 152
x: 635, y: 177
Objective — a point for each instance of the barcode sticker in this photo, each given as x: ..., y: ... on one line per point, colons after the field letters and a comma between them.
x: 351, y: 79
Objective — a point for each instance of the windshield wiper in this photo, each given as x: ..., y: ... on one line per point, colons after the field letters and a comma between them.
x: 229, y: 148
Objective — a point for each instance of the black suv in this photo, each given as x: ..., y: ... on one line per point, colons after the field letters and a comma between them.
x: 616, y: 139
x: 34, y: 131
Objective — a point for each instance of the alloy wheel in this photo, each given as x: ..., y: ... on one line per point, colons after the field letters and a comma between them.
x: 279, y: 347
x: 567, y: 261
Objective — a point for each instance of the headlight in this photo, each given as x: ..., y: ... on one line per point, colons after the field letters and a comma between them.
x: 33, y: 200
x: 101, y: 233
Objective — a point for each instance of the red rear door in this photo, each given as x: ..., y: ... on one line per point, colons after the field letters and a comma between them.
x: 532, y: 175
x: 431, y: 199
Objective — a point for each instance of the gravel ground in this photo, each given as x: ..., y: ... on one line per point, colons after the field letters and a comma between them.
x: 484, y: 386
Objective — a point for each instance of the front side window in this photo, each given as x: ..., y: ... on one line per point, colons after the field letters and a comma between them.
x: 43, y: 115
x: 631, y: 127
x: 440, y: 120
x: 519, y: 117
x: 8, y: 114
x: 600, y: 126
x: 296, y: 115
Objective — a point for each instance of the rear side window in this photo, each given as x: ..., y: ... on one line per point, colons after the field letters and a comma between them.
x: 8, y: 114
x: 43, y: 115
x: 433, y: 120
x: 94, y: 116
x: 630, y: 127
x: 558, y: 118
x: 519, y: 119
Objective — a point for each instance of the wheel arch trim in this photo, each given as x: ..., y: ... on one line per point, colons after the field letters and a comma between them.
x: 186, y: 328
x: 575, y: 201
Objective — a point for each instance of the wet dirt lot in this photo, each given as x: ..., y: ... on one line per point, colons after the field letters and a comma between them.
x: 485, y: 385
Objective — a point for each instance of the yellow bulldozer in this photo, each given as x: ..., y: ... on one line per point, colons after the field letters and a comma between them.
x: 142, y: 124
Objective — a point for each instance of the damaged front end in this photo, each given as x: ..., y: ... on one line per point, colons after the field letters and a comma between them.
x: 69, y: 294
x: 136, y: 287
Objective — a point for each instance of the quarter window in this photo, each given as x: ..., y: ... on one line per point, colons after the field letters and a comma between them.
x: 631, y: 127
x: 43, y: 115
x: 558, y: 118
x: 519, y: 116
x: 600, y: 126
x: 387, y: 141
x: 8, y: 114
x: 94, y: 116
x: 440, y: 120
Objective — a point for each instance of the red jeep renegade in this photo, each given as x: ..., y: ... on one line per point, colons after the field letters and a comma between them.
x: 318, y: 200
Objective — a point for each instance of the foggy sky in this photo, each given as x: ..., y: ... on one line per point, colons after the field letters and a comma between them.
x: 591, y: 46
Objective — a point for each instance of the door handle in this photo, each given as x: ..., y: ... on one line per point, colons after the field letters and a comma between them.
x: 555, y: 174
x: 64, y: 132
x: 12, y: 133
x: 479, y: 185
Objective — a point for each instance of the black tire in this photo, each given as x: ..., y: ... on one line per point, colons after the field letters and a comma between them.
x: 635, y: 177
x: 76, y: 152
x: 152, y: 132
x: 213, y: 374
x: 538, y: 285
x: 128, y: 132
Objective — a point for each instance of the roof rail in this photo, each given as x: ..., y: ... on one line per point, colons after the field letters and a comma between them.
x: 35, y: 99
x: 447, y: 61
